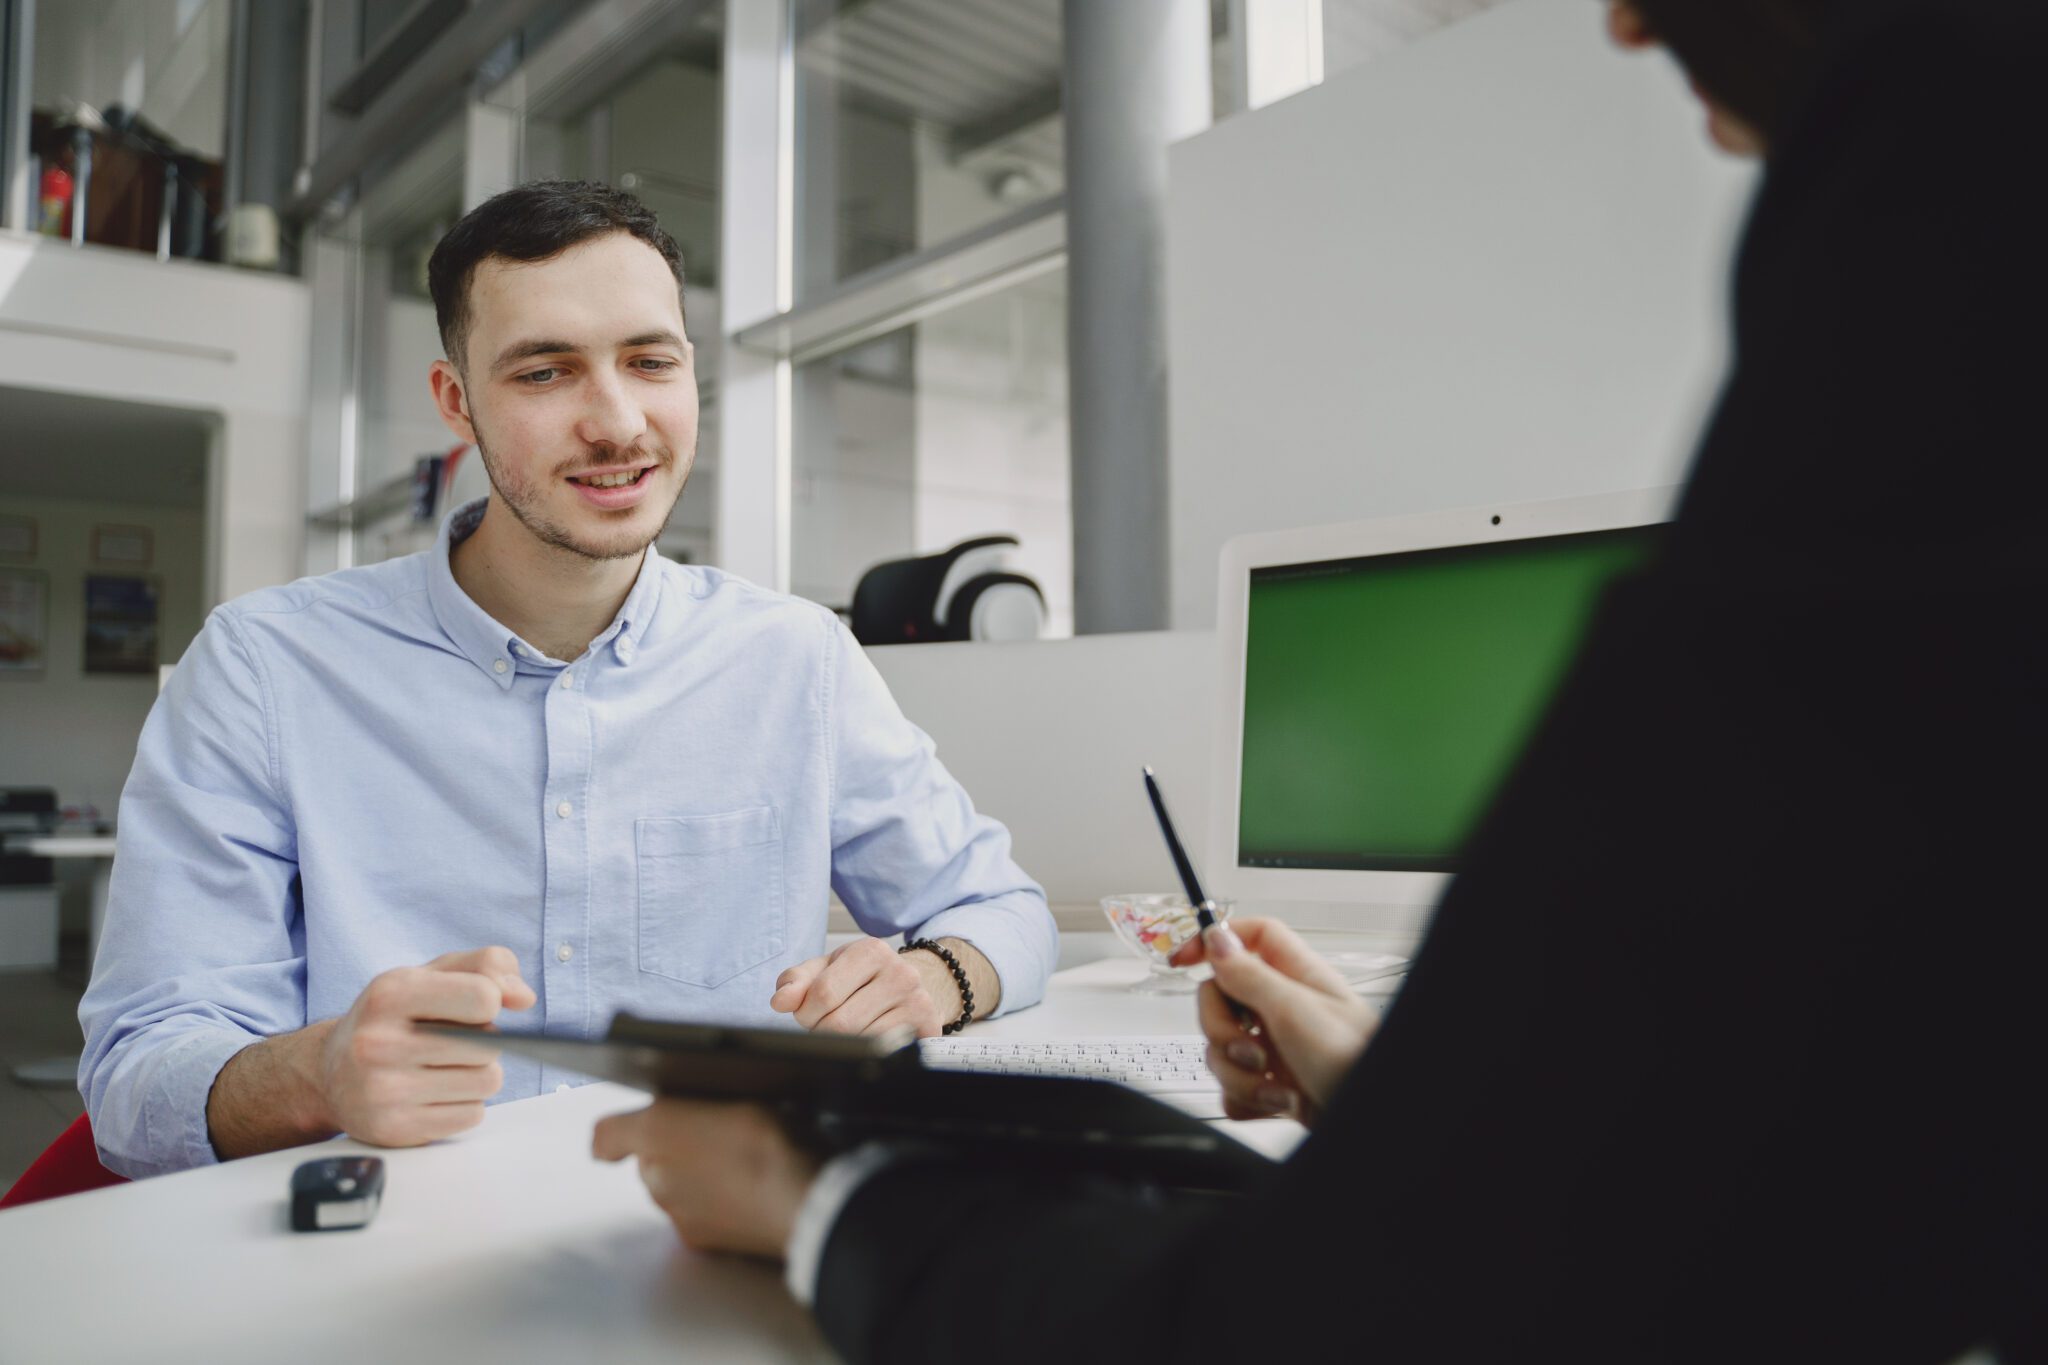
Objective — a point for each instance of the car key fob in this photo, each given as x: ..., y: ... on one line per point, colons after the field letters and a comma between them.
x: 336, y: 1192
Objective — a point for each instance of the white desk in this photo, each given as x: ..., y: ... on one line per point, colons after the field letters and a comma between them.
x: 507, y: 1244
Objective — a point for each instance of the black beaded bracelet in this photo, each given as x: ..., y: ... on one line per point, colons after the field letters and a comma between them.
x: 945, y: 955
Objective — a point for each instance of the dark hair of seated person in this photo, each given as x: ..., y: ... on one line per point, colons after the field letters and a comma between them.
x: 535, y: 222
x: 1755, y: 56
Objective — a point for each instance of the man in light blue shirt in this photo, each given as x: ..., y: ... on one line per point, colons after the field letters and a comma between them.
x: 538, y: 768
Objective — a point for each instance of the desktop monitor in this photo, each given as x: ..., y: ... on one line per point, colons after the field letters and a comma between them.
x: 1380, y: 678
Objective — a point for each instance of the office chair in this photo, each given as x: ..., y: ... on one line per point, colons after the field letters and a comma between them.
x: 70, y: 1165
x: 27, y: 810
x: 28, y: 884
x: 965, y: 593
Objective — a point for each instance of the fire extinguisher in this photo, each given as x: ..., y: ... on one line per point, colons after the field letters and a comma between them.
x: 55, y: 194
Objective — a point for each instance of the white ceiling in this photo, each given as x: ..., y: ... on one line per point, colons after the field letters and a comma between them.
x: 989, y: 70
x: 55, y: 445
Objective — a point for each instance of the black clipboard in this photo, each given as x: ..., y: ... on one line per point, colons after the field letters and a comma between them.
x: 836, y: 1091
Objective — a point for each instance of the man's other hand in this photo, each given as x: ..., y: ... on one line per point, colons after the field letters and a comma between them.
x: 388, y: 1083
x: 868, y: 987
x: 725, y: 1174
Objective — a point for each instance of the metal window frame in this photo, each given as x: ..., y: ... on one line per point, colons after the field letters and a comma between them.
x: 1011, y: 250
x: 413, y: 93
x: 756, y: 277
x: 767, y: 335
x: 17, y: 52
x: 600, y: 48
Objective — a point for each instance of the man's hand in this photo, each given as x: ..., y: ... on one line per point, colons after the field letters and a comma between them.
x: 725, y: 1174
x: 370, y: 1073
x: 868, y: 987
x: 388, y: 1083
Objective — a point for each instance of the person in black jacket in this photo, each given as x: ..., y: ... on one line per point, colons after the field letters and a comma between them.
x: 1724, y: 1043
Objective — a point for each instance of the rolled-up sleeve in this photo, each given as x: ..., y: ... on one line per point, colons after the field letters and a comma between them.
x: 910, y: 854
x: 202, y: 951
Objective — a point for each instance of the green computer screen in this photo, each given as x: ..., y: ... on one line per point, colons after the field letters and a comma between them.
x: 1386, y: 697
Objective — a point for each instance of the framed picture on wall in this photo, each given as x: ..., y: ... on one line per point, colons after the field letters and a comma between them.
x: 24, y: 620
x: 120, y: 624
x: 132, y: 546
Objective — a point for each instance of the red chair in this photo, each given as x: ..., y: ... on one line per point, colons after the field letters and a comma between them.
x: 70, y: 1165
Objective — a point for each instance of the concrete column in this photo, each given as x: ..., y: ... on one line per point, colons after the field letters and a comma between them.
x: 1137, y: 78
x: 272, y: 100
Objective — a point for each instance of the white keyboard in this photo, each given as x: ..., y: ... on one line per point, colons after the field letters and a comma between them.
x: 1169, y: 1068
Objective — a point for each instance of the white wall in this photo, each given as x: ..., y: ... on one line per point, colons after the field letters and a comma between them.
x: 1050, y: 737
x: 1490, y: 265
x: 65, y: 728
x: 107, y: 322
x: 99, y: 321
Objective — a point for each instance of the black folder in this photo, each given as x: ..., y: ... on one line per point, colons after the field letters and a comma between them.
x: 836, y: 1091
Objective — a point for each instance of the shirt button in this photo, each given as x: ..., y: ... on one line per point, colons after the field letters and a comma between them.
x: 562, y: 1089
x: 568, y: 680
x: 564, y: 809
x: 564, y: 952
x: 499, y: 665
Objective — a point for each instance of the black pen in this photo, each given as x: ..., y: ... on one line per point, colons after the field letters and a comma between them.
x: 1205, y: 909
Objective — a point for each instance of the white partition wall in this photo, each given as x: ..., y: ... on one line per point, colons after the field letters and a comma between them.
x: 1488, y: 266
x: 1050, y: 737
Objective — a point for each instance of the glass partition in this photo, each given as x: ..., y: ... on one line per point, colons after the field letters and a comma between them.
x: 918, y: 121
x: 406, y: 207
x: 655, y: 134
x: 1356, y: 31
x: 950, y: 428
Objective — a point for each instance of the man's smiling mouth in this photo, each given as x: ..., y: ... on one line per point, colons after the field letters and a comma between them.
x: 618, y: 479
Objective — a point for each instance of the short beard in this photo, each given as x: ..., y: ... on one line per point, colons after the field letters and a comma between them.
x: 522, y: 501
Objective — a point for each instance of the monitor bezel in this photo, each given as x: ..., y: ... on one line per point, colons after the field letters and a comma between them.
x: 1482, y: 524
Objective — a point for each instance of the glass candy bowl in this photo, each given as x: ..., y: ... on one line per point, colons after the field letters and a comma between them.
x: 1153, y: 926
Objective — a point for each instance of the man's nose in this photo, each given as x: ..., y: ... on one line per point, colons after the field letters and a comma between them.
x: 611, y: 417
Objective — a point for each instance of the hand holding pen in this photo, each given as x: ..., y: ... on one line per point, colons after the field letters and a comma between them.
x: 1283, y: 1027
x: 1307, y: 1027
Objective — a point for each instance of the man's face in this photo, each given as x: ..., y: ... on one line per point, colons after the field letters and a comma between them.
x: 580, y: 390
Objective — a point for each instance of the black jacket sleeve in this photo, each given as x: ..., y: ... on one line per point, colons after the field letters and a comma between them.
x: 1723, y: 1044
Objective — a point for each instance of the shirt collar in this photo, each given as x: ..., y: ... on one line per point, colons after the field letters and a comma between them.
x: 636, y: 614
x: 495, y: 650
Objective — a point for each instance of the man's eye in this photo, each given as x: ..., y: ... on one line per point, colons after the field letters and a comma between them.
x: 541, y: 376
x: 654, y: 364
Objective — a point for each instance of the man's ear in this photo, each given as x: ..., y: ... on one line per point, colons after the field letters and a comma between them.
x: 451, y: 400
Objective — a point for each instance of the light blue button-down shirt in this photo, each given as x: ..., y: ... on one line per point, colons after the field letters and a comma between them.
x: 363, y: 771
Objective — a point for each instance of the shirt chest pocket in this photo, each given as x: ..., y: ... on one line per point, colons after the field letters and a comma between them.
x: 710, y: 894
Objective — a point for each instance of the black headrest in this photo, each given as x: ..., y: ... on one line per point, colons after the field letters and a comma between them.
x: 897, y: 601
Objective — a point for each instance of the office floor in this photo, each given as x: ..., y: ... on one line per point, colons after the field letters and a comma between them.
x: 38, y: 1018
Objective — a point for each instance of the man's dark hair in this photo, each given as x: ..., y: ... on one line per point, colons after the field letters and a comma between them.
x: 535, y: 222
x: 1754, y: 56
